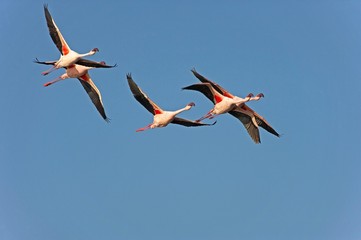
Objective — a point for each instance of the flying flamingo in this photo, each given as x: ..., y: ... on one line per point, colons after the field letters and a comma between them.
x: 81, y: 73
x: 250, y: 119
x: 68, y: 57
x: 222, y: 104
x: 161, y: 117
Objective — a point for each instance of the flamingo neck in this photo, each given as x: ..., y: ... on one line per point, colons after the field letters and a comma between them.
x: 186, y: 108
x: 239, y: 101
x: 90, y: 53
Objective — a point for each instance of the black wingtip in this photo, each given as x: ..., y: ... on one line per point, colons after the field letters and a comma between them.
x: 108, y: 66
x: 129, y: 76
x: 194, y: 71
x: 46, y: 9
x: 187, y: 87
x: 108, y: 120
x: 208, y: 124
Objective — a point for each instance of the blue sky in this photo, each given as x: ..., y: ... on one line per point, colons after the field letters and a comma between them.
x: 67, y: 174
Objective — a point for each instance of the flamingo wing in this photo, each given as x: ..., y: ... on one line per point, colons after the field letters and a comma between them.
x: 55, y: 33
x: 189, y: 123
x: 94, y: 94
x: 207, y: 89
x: 261, y: 121
x: 89, y: 63
x: 217, y: 87
x: 45, y: 63
x: 252, y: 130
x: 141, y: 97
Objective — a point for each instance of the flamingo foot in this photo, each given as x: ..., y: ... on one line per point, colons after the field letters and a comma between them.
x: 54, y: 81
x: 202, y: 118
x: 208, y: 115
x: 143, y: 128
x: 48, y: 71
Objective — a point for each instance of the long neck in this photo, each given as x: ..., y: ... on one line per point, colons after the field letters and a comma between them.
x: 186, y: 108
x: 239, y: 101
x: 87, y: 54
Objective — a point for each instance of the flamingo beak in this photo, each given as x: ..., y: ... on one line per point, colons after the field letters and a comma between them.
x: 191, y: 104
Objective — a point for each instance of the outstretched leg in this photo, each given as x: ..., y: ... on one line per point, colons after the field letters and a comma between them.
x: 144, y: 128
x: 54, y: 81
x: 49, y: 71
x: 209, y: 115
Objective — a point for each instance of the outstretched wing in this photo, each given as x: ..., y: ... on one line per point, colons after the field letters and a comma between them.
x: 55, y: 33
x: 141, y: 97
x: 246, y: 120
x: 45, y: 63
x: 208, y: 90
x: 189, y: 123
x: 260, y: 120
x: 89, y: 63
x: 217, y: 87
x: 93, y: 93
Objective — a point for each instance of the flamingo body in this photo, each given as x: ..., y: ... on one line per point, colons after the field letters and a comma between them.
x: 161, y: 118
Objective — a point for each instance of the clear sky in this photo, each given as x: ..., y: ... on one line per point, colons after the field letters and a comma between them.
x: 67, y: 174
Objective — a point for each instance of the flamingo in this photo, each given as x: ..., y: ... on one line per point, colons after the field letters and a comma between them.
x: 81, y: 73
x: 68, y: 56
x: 222, y: 104
x: 233, y: 105
x: 161, y: 117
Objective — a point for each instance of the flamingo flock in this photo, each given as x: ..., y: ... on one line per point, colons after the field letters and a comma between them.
x: 76, y: 66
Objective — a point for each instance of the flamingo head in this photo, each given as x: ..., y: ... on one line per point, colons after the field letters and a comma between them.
x: 189, y: 106
x: 260, y: 95
x: 249, y: 95
x: 94, y: 50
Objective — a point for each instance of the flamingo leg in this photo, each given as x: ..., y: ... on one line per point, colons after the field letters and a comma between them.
x: 54, y: 81
x: 208, y: 115
x: 49, y: 71
x: 144, y: 128
x: 213, y: 116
